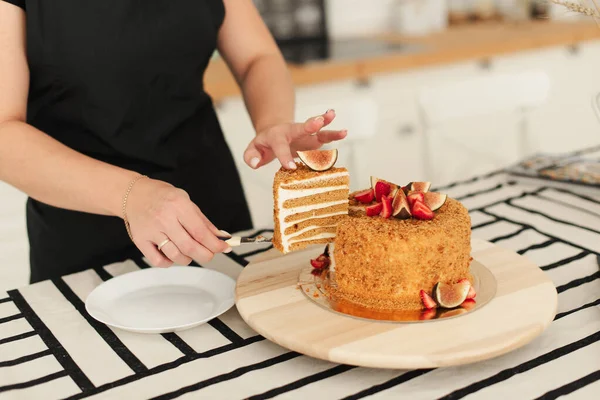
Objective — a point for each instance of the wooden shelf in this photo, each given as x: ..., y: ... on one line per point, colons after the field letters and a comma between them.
x: 456, y: 44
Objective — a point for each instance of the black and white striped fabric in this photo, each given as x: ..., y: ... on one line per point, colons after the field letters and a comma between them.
x: 50, y: 348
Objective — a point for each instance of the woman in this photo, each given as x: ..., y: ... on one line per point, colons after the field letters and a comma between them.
x: 95, y: 96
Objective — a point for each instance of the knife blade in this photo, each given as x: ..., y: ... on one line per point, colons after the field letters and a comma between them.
x: 235, y: 241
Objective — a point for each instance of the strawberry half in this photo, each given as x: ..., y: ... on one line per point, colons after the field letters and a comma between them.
x: 386, y: 211
x: 414, y: 197
x: 365, y: 197
x: 421, y: 211
x: 468, y: 304
x: 382, y: 189
x: 374, y: 210
x: 427, y: 300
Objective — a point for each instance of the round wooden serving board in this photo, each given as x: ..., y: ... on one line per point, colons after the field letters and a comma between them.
x: 269, y: 300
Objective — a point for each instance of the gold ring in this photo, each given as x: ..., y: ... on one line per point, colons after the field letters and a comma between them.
x: 160, y: 246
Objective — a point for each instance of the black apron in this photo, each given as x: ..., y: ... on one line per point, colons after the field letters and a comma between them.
x: 122, y: 81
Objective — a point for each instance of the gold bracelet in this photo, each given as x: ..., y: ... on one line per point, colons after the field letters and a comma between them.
x: 137, y: 178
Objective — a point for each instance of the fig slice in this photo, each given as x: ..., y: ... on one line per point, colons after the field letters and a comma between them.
x: 386, y: 211
x: 319, y: 160
x: 450, y: 295
x: 420, y: 186
x: 400, y: 208
x: 434, y: 200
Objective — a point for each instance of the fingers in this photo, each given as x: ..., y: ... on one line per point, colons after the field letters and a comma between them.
x: 281, y: 148
x: 188, y: 245
x: 155, y: 257
x: 331, y: 136
x: 172, y: 252
x: 312, y: 125
x: 207, y: 237
x: 316, y: 141
x: 252, y: 156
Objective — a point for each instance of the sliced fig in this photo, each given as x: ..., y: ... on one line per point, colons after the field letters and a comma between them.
x: 406, y: 188
x: 386, y: 211
x: 472, y: 293
x: 415, y: 196
x: 365, y: 196
x: 420, y: 186
x: 400, y: 207
x: 450, y: 295
x: 319, y: 160
x: 434, y: 200
x: 374, y: 210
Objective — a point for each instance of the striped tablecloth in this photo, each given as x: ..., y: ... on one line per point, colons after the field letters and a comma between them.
x: 50, y: 348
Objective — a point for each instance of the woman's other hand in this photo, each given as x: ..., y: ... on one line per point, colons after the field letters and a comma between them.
x: 157, y: 212
x: 284, y: 140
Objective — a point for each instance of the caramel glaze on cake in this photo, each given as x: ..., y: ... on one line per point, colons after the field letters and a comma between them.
x: 384, y: 263
x: 308, y: 206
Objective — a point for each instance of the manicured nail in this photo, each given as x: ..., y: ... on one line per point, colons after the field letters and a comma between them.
x: 254, y: 162
x: 320, y: 118
x: 331, y: 109
x: 226, y: 233
x: 292, y: 165
x: 227, y: 250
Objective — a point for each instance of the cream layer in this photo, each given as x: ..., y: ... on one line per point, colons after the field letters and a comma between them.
x: 287, y: 194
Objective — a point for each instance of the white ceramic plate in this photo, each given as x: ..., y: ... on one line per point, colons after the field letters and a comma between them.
x: 159, y: 300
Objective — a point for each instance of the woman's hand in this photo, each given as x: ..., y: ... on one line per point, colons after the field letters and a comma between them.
x: 284, y: 140
x: 157, y: 211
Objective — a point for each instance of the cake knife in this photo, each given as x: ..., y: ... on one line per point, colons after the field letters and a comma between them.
x: 235, y: 241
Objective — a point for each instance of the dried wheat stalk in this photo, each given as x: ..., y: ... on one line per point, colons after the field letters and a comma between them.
x: 593, y: 11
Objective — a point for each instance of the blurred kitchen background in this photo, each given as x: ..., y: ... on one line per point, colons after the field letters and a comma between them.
x: 436, y: 90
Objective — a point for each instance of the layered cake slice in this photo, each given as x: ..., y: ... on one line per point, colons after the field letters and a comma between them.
x: 309, y: 201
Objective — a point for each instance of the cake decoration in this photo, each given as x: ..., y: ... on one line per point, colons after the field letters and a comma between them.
x: 472, y: 294
x: 428, y: 302
x: 319, y: 160
x: 450, y: 296
x: 374, y: 209
x: 413, y: 200
x: 400, y: 206
x: 321, y: 263
x: 366, y: 196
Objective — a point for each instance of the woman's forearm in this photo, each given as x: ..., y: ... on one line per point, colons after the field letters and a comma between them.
x: 52, y: 173
x: 268, y: 92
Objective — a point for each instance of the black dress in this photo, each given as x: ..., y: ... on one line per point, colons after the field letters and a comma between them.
x: 122, y: 81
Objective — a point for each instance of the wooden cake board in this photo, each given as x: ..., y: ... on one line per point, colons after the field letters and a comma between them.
x: 269, y: 299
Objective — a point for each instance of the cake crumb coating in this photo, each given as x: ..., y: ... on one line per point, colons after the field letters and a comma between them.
x: 384, y: 263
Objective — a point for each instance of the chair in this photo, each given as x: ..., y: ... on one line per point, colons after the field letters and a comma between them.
x: 517, y: 93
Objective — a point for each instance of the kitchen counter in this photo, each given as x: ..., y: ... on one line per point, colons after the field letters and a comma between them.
x: 479, y: 41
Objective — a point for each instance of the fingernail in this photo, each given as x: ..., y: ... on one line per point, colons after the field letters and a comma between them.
x: 320, y: 118
x: 226, y: 233
x: 292, y: 165
x: 331, y: 109
x: 254, y: 162
x: 227, y: 250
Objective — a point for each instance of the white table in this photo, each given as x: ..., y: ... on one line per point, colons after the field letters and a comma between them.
x: 50, y: 348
